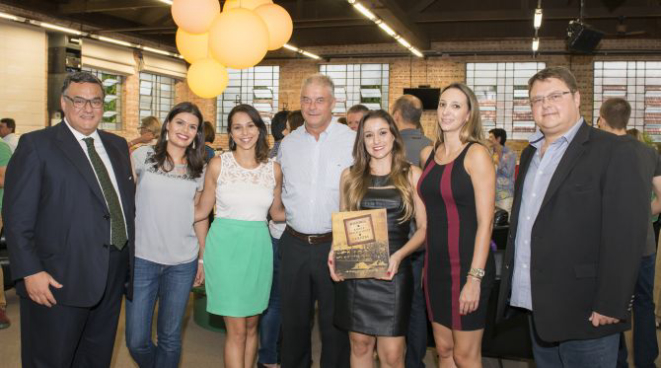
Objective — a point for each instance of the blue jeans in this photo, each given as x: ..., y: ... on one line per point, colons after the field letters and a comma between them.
x: 172, y: 286
x: 645, y: 346
x: 592, y: 353
x: 269, y: 324
x: 416, y: 339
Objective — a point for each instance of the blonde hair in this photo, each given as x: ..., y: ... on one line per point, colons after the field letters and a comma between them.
x: 359, y: 180
x: 472, y: 130
x: 152, y: 124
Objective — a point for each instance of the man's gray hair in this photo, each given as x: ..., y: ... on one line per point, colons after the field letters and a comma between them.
x: 319, y: 79
x: 82, y: 77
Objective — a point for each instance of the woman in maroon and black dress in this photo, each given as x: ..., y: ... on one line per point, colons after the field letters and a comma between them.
x: 458, y: 188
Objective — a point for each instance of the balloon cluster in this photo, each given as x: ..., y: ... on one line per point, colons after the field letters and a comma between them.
x: 238, y: 38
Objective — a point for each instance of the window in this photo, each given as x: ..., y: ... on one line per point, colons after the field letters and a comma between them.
x: 156, y: 95
x: 365, y: 84
x: 112, y: 106
x: 257, y: 86
x: 502, y: 92
x: 639, y: 82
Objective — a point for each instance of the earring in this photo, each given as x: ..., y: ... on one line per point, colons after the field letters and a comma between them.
x: 193, y: 143
x: 166, y: 136
x: 232, y: 144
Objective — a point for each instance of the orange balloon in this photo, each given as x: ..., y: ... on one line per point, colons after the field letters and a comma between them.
x: 238, y: 38
x: 278, y: 22
x: 207, y: 78
x: 195, y: 16
x: 191, y: 46
x: 247, y: 4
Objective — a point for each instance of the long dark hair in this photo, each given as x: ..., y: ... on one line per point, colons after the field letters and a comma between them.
x: 194, y: 152
x: 359, y: 180
x: 262, y: 148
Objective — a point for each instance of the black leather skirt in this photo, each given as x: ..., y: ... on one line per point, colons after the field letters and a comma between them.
x: 375, y: 307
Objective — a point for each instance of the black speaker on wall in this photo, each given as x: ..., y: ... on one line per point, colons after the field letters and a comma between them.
x: 581, y: 38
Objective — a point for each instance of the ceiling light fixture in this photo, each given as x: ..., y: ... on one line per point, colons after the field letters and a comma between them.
x: 9, y: 16
x: 537, y: 21
x: 157, y: 51
x: 385, y: 27
x: 57, y: 28
x: 112, y: 40
x: 302, y: 52
x: 310, y: 55
x: 364, y: 11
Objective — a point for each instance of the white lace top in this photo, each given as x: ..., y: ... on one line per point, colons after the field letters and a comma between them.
x: 244, y: 194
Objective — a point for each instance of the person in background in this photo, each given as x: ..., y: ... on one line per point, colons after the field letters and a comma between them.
x: 209, y: 137
x: 613, y: 117
x: 505, y: 161
x: 279, y: 130
x: 295, y: 120
x: 577, y: 231
x: 69, y: 221
x: 312, y: 159
x: 169, y: 178
x: 458, y: 189
x: 269, y: 324
x: 376, y: 311
x: 355, y: 115
x: 407, y: 112
x: 245, y: 186
x: 8, y: 132
x: 5, y: 155
x: 150, y: 131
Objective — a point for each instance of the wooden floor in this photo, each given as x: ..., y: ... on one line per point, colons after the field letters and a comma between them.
x: 201, y: 348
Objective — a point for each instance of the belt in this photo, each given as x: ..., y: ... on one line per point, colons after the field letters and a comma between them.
x: 310, y: 238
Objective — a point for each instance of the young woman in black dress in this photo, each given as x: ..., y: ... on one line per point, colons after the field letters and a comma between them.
x: 458, y: 189
x: 376, y: 311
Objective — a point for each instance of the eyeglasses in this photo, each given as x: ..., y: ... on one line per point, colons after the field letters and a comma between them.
x: 79, y: 102
x: 554, y: 98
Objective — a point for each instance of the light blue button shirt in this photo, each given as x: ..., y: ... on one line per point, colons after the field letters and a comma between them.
x: 311, y: 175
x: 537, y: 180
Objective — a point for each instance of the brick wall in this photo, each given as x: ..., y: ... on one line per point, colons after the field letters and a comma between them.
x: 406, y: 71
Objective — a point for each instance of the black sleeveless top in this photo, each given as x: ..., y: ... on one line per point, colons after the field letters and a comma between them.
x: 383, y: 194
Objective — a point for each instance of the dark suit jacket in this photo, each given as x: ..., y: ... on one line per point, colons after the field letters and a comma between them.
x: 587, y: 240
x: 56, y: 218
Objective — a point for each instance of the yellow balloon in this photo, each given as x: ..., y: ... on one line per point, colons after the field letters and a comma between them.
x: 195, y: 16
x: 238, y: 38
x: 278, y: 22
x: 191, y: 46
x: 207, y: 78
x: 247, y: 4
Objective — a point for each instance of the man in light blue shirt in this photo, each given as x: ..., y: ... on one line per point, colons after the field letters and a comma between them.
x: 578, y: 224
x: 312, y: 161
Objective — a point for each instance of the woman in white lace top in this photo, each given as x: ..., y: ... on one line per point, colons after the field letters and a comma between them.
x: 245, y: 185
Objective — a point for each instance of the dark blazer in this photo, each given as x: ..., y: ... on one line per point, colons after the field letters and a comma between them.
x: 56, y: 218
x: 587, y: 240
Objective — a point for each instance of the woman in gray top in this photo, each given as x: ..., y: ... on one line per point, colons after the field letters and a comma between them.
x: 169, y: 178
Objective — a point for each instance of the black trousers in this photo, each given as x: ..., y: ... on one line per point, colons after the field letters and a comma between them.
x: 64, y: 336
x: 304, y: 278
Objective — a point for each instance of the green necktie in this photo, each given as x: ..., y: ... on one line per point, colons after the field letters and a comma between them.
x: 117, y: 226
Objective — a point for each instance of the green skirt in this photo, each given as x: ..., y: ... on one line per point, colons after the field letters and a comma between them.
x: 238, y: 267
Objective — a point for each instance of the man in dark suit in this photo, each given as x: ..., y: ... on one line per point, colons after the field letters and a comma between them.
x: 614, y: 116
x: 69, y: 213
x: 578, y: 227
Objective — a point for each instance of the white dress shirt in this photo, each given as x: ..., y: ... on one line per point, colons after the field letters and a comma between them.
x: 101, y: 150
x: 12, y: 140
x: 311, y: 175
